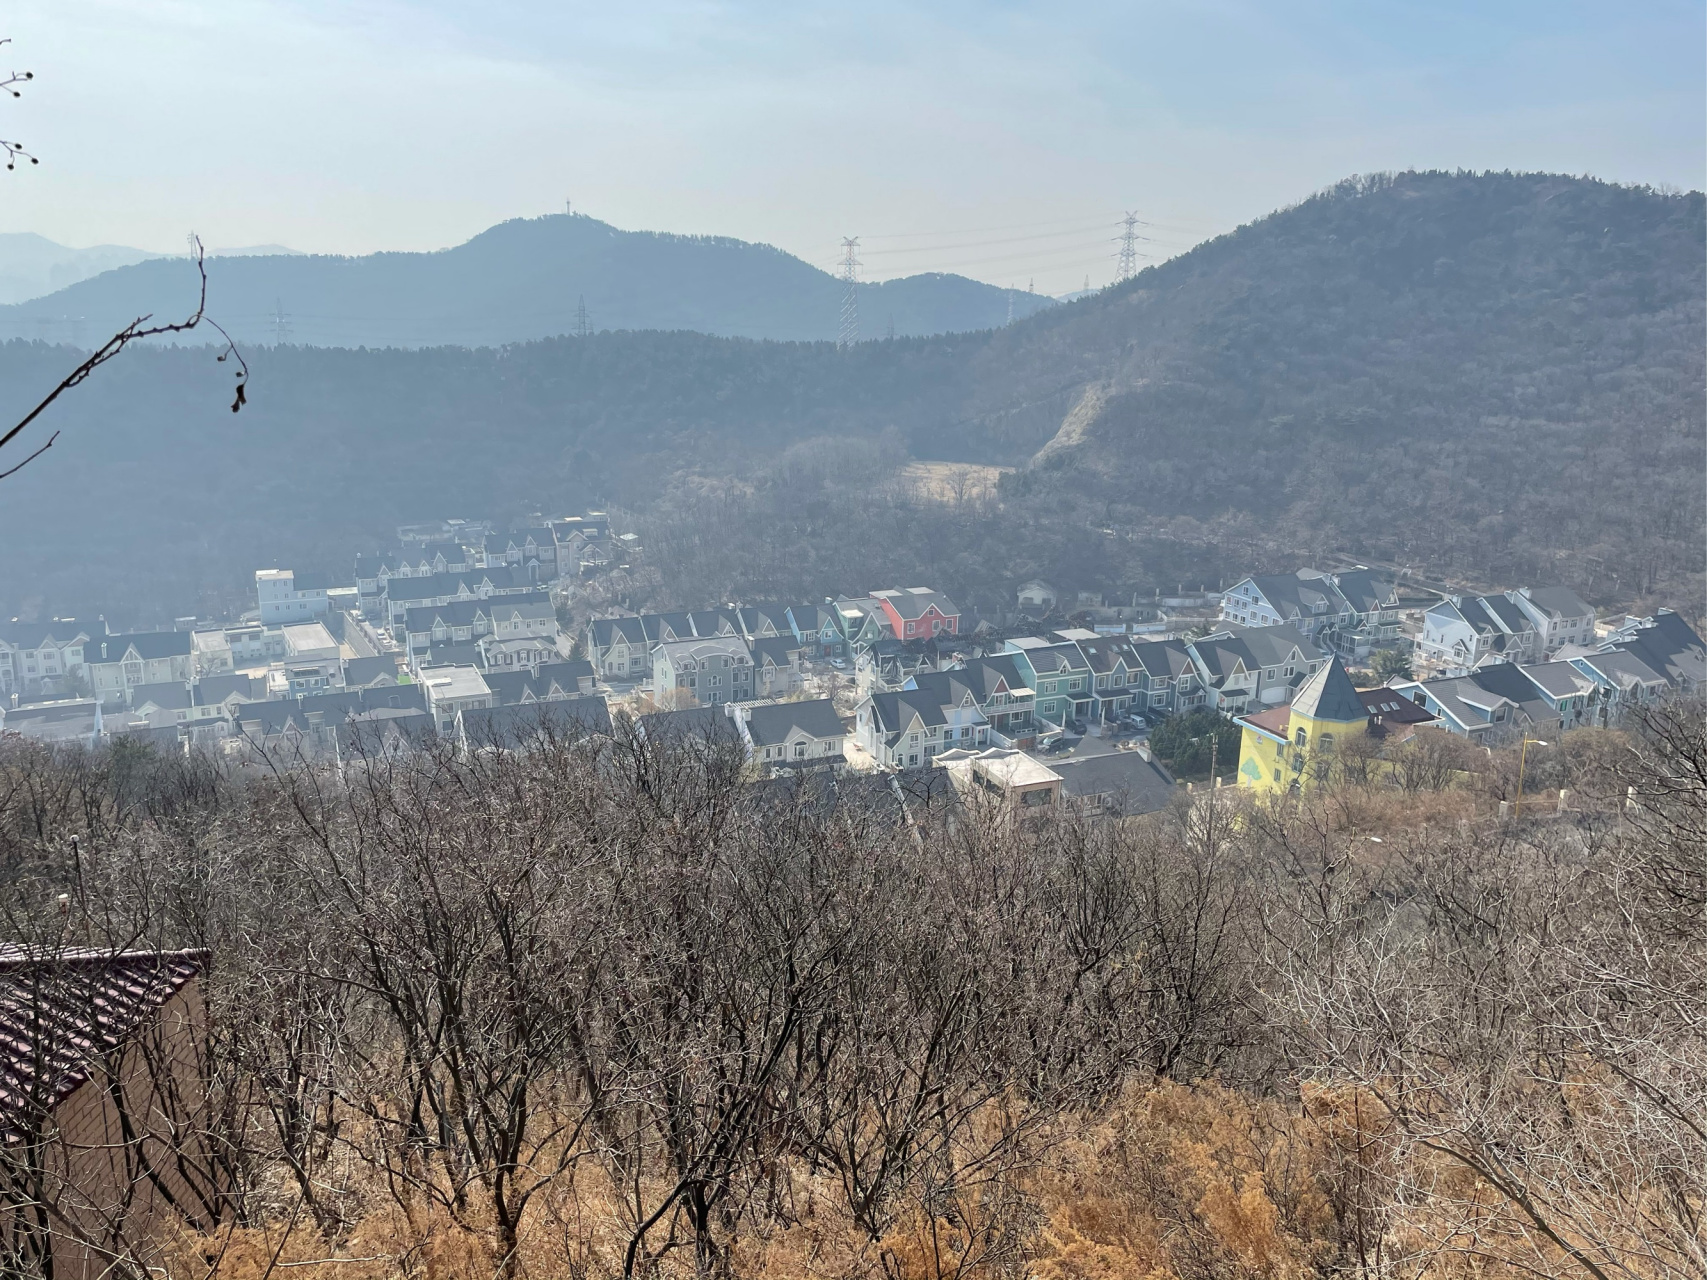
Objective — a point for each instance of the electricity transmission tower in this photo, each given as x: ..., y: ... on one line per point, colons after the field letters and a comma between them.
x: 281, y: 324
x: 583, y: 326
x: 1128, y: 250
x: 848, y: 333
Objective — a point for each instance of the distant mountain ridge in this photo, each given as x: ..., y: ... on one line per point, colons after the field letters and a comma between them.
x: 1495, y: 377
x: 32, y: 265
x: 522, y: 280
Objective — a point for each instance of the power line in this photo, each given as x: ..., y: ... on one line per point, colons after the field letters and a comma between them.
x: 583, y: 326
x: 979, y: 244
x: 848, y: 332
x: 281, y: 324
x: 1010, y: 226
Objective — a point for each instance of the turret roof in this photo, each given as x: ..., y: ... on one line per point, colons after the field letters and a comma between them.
x: 1329, y: 695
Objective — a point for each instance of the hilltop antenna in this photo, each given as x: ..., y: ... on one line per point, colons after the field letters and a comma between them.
x: 281, y: 324
x: 1010, y: 305
x: 1128, y: 250
x: 583, y: 326
x: 848, y: 333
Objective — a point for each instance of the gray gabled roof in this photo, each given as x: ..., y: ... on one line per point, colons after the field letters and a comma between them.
x: 169, y: 695
x: 212, y: 689
x: 912, y: 602
x: 1293, y: 596
x: 729, y: 646
x: 359, y: 671
x: 952, y: 688
x: 1053, y: 659
x: 999, y: 673
x: 1670, y: 646
x: 1470, y: 609
x: 1558, y: 602
x: 148, y: 645
x: 41, y: 635
x: 1365, y: 590
x: 458, y: 613
x: 1621, y: 667
x: 523, y: 724
x: 1329, y: 695
x: 810, y: 618
x: 1163, y: 659
x: 692, y: 724
x: 771, y: 725
x: 1557, y: 679
x: 893, y: 712
x: 775, y: 650
x: 533, y: 606
x: 607, y: 631
x: 1272, y: 646
x: 439, y: 586
x: 1128, y: 783
x: 1511, y: 618
x: 1105, y: 653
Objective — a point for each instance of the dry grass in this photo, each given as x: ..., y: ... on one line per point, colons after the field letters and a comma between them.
x: 951, y: 482
x: 1170, y: 1183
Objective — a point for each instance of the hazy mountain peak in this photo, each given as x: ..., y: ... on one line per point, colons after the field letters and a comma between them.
x: 523, y: 279
x: 31, y: 265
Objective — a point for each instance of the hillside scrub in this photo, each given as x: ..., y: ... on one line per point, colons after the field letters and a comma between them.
x: 606, y: 1009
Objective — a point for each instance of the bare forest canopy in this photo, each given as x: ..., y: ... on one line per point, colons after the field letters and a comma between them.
x: 602, y: 1008
x: 521, y: 280
x: 1496, y: 377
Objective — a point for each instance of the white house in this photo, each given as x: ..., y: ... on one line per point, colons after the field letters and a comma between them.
x: 118, y: 664
x: 1559, y: 614
x: 43, y: 657
x: 912, y: 726
x: 788, y: 736
x: 451, y: 690
x: 688, y: 673
x: 1035, y: 595
x: 1350, y: 613
x: 287, y: 596
x: 1461, y: 631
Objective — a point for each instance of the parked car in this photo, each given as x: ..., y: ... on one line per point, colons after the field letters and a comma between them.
x: 1137, y: 722
x: 839, y: 664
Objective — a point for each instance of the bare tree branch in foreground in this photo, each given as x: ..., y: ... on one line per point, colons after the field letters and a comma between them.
x: 15, y: 150
x: 137, y: 329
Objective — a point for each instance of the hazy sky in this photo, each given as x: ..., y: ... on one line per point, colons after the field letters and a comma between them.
x: 997, y: 139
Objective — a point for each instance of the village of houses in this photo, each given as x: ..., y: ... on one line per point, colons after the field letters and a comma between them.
x: 459, y: 633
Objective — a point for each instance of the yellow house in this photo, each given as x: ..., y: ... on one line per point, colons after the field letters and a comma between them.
x: 1281, y: 748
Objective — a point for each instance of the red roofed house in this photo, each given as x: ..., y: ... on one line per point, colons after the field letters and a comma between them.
x: 918, y: 613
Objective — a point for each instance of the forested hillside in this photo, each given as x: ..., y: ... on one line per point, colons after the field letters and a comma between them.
x: 1494, y: 377
x: 521, y: 280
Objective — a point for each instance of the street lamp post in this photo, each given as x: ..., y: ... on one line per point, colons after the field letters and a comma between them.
x: 1522, y: 760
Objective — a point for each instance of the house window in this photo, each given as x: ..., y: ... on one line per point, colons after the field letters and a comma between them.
x: 799, y: 750
x: 1299, y: 737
